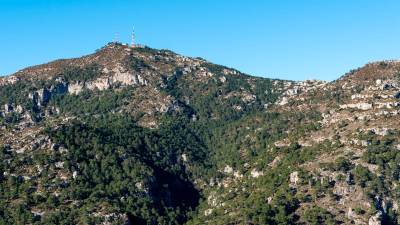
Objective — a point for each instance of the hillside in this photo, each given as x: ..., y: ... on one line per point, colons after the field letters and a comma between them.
x: 144, y: 136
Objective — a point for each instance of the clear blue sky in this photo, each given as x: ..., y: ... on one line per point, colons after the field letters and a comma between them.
x: 296, y: 40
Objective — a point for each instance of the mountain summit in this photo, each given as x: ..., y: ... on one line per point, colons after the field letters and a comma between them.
x: 144, y: 136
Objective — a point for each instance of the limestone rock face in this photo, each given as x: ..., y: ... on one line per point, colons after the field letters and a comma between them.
x: 8, y: 80
x: 118, y: 76
x: 8, y: 108
x: 43, y: 96
x: 75, y: 88
x: 102, y: 83
x: 294, y: 177
x: 361, y: 105
x: 123, y: 76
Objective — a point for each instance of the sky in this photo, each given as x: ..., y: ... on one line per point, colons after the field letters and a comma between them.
x: 286, y: 39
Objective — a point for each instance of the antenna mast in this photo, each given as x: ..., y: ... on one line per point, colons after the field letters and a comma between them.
x: 133, y: 38
x: 116, y: 38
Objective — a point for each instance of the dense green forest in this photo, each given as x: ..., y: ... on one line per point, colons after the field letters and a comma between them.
x: 151, y: 137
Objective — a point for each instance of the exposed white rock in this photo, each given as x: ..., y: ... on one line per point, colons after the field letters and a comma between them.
x: 212, y: 182
x: 168, y: 106
x: 141, y: 80
x: 343, y: 190
x: 395, y: 206
x: 305, y: 143
x: 283, y: 101
x: 19, y: 109
x: 375, y: 219
x: 59, y: 164
x: 228, y: 169
x: 254, y: 173
x: 186, y: 70
x: 26, y: 177
x: 184, y: 157
x: 350, y: 213
x: 222, y: 79
x: 75, y: 88
x: 275, y: 161
x: 361, y: 106
x: 37, y: 212
x: 246, y: 98
x: 105, y: 70
x: 294, y: 177
x: 293, y: 91
x: 387, y: 105
x: 101, y: 83
x: 44, y: 96
x: 360, y: 96
x: 8, y: 108
x: 212, y: 199
x: 380, y: 131
x: 237, y: 107
x: 21, y: 150
x: 227, y: 71
x: 123, y: 76
x: 365, y: 143
x: 39, y: 168
x: 237, y: 174
x: 208, y: 212
x: 139, y: 185
x: 63, y: 150
x: 8, y: 80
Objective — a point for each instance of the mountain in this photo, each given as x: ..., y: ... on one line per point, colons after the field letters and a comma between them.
x: 144, y: 136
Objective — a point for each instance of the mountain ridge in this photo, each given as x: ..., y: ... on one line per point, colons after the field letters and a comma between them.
x: 118, y: 47
x: 107, y: 48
